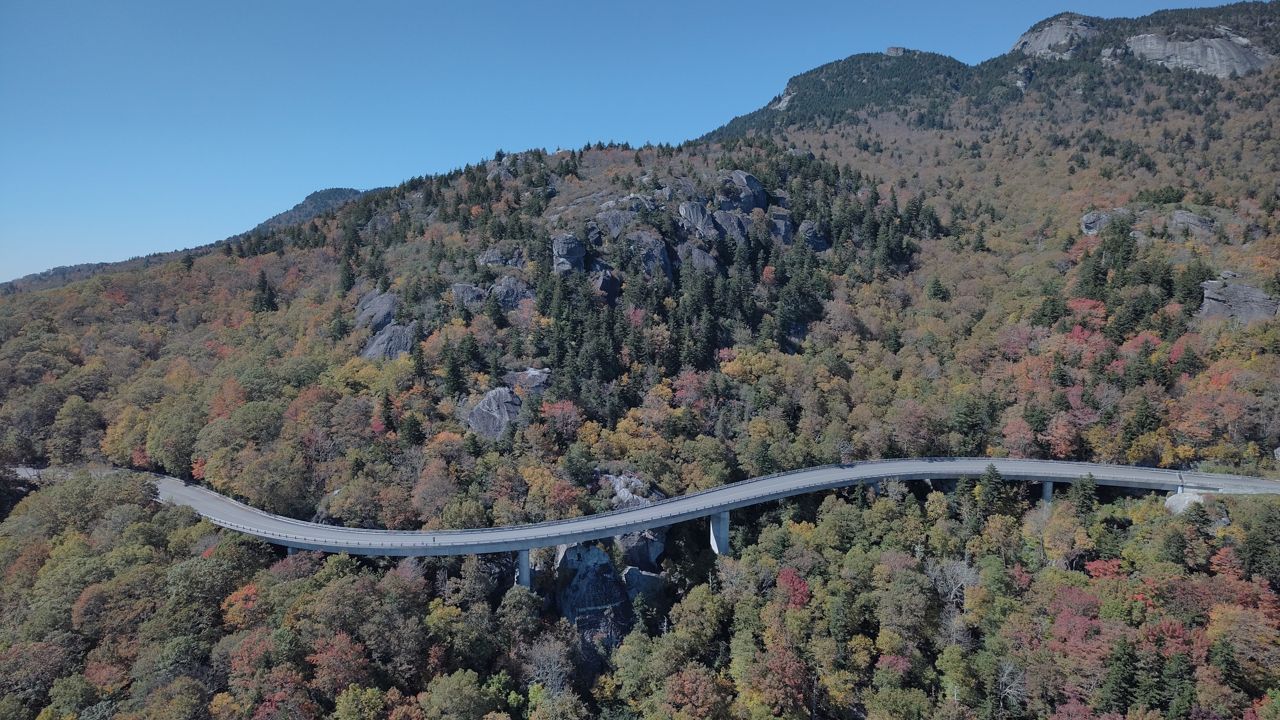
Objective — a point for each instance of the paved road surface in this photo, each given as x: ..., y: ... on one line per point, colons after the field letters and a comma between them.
x: 228, y: 513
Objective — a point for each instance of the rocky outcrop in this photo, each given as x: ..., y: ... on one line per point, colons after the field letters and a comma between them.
x: 1186, y: 223
x: 613, y: 222
x: 1056, y: 39
x: 509, y: 291
x: 606, y: 282
x: 494, y: 413
x: 780, y: 225
x: 529, y: 379
x: 808, y: 232
x: 1223, y: 56
x: 494, y: 256
x: 697, y: 222
x: 651, y: 251
x: 1092, y: 222
x: 375, y: 310
x: 733, y: 224
x: 467, y: 295
x: 392, y: 341
x: 568, y: 253
x: 740, y: 190
x: 642, y: 549
x: 591, y: 595
x: 695, y: 257
x: 643, y: 582
x: 1226, y: 298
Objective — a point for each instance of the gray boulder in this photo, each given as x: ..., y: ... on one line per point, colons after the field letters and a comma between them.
x: 1056, y: 39
x: 1092, y: 222
x: 740, y: 190
x: 613, y: 222
x: 696, y: 221
x: 591, y: 595
x: 1185, y: 222
x: 375, y: 310
x: 1221, y: 57
x: 510, y: 291
x: 467, y: 295
x: 1236, y: 301
x: 808, y: 232
x: 530, y: 379
x: 606, y: 283
x: 641, y: 549
x: 494, y: 256
x: 651, y: 251
x: 733, y: 224
x: 693, y: 256
x: 567, y: 253
x: 392, y: 341
x: 781, y: 227
x: 643, y: 582
x: 494, y: 413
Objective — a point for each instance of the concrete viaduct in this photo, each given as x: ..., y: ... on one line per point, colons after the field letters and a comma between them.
x: 714, y: 504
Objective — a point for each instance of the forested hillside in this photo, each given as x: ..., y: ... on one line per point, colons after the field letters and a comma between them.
x: 1071, y: 251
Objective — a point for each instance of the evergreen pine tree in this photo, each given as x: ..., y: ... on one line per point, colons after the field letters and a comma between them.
x: 264, y: 296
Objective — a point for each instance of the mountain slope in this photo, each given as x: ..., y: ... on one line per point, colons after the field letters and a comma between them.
x: 1065, y: 255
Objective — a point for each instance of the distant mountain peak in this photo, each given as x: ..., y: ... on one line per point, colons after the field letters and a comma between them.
x: 312, y: 206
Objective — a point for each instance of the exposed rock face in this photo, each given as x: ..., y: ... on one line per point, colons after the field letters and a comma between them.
x: 567, y: 253
x: 494, y: 413
x: 782, y: 229
x: 493, y: 256
x: 651, y: 251
x: 592, y: 596
x: 1221, y: 57
x: 391, y: 341
x: 530, y: 379
x: 642, y: 549
x: 733, y: 225
x: 606, y: 283
x: 1057, y: 39
x: 740, y: 190
x: 613, y: 222
x: 509, y: 291
x: 808, y: 232
x: 1091, y: 223
x: 1226, y: 298
x: 695, y: 257
x: 1185, y: 222
x: 633, y: 202
x: 643, y: 582
x: 375, y: 310
x: 695, y: 220
x: 467, y: 295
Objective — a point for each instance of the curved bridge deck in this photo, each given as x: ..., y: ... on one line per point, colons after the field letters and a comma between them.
x: 715, y: 503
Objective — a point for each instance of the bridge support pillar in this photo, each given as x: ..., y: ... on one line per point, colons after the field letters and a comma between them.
x: 1046, y: 491
x: 523, y: 578
x: 720, y: 533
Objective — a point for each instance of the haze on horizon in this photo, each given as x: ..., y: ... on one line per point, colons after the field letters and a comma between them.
x: 133, y: 128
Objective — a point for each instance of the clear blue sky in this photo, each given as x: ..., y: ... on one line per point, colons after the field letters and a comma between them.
x: 128, y: 128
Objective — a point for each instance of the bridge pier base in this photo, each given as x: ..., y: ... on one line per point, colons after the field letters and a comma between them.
x: 720, y: 533
x: 1046, y: 492
x: 523, y: 576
